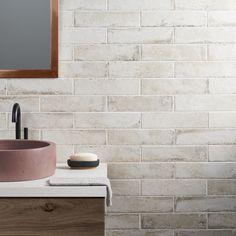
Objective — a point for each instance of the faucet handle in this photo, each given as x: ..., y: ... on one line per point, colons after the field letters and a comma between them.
x: 26, y: 131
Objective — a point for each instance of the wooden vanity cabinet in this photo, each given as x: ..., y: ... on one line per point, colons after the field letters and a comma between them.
x: 52, y: 216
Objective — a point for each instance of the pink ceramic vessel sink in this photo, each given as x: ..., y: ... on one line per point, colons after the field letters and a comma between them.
x: 26, y: 160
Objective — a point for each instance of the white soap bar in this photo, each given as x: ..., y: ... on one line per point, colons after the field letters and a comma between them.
x: 84, y: 157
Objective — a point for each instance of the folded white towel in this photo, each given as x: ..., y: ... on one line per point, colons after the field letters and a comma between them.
x: 101, y: 181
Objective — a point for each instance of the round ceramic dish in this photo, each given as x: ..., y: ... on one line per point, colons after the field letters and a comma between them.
x: 82, y: 164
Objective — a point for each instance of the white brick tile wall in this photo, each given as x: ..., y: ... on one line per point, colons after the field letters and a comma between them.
x: 150, y: 86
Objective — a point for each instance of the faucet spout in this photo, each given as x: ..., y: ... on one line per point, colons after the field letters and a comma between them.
x: 16, y: 118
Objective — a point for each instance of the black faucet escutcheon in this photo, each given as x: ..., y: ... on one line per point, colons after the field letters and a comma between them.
x: 16, y: 118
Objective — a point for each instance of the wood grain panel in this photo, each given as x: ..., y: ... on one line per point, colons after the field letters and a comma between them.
x: 52, y: 216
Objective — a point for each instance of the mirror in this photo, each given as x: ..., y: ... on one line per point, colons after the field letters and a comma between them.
x: 28, y: 38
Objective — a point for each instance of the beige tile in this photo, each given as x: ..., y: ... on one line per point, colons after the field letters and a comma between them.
x: 87, y: 137
x: 28, y: 104
x: 173, y: 52
x: 205, y: 136
x: 222, y: 153
x: 140, y: 103
x: 106, y: 19
x: 125, y: 187
x: 173, y: 187
x: 3, y: 121
x: 208, y: 204
x: 73, y: 103
x: 206, y: 233
x: 174, y: 120
x: 107, y: 120
x: 140, y: 233
x: 127, y: 5
x: 141, y: 204
x: 205, y: 170
x: 107, y: 87
x: 141, y: 171
x: 83, y: 4
x: 122, y: 221
x: 174, y: 86
x: 141, y: 35
x: 222, y: 187
x: 39, y: 87
x: 175, y: 153
x: 174, y: 18
x: 222, y: 220
x: 140, y: 69
x: 222, y: 18
x: 107, y: 52
x: 84, y: 69
x: 140, y: 137
x: 174, y: 221
x: 205, y: 35
x: 205, y: 4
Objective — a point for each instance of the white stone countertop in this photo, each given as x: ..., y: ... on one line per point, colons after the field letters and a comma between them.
x: 41, y: 188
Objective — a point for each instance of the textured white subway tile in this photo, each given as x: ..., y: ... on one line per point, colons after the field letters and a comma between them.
x: 205, y: 69
x: 174, y: 86
x: 206, y: 170
x: 64, y: 152
x: 222, y: 52
x: 206, y: 136
x: 141, y: 204
x: 3, y: 121
x: 174, y: 18
x: 83, y: 35
x: 222, y: 187
x: 222, y: 153
x: 127, y: 5
x: 107, y: 86
x: 224, y: 86
x: 83, y: 4
x: 206, y: 233
x: 141, y: 69
x: 106, y: 18
x: 3, y: 86
x: 42, y: 87
x: 73, y: 103
x: 175, y: 153
x: 107, y: 52
x: 222, y: 220
x: 113, y: 153
x: 141, y: 35
x: 107, y: 120
x: 173, y: 187
x: 173, y: 221
x: 174, y: 120
x: 141, y: 171
x: 222, y: 119
x: 65, y: 53
x: 66, y: 19
x: 122, y: 221
x: 10, y: 134
x: 140, y: 137
x: 205, y: 4
x: 140, y: 103
x: 84, y: 69
x: 30, y: 104
x: 200, y: 204
x: 205, y: 35
x: 125, y: 187
x: 205, y: 103
x: 173, y: 52
x: 45, y: 120
x: 141, y: 232
x: 222, y: 18
x: 75, y: 136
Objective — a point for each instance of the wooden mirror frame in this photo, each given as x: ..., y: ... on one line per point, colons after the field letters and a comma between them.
x: 53, y: 72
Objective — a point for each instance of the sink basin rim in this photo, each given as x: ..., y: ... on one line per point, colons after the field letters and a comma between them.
x: 45, y: 144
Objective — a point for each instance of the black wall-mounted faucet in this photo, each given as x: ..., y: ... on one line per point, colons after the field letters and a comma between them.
x: 16, y: 118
